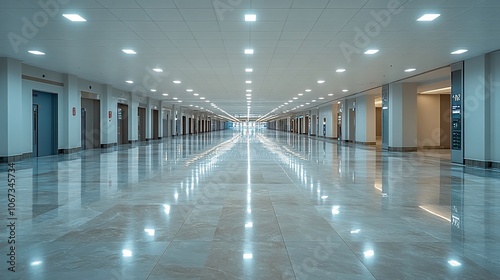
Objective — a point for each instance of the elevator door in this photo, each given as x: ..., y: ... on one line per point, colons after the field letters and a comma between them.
x: 339, y: 125
x: 141, y: 120
x: 84, y: 129
x: 122, y: 130
x: 155, y: 124
x: 44, y: 124
x: 184, y: 125
x: 91, y: 125
x: 352, y: 125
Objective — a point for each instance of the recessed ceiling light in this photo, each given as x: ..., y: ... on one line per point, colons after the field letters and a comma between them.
x: 290, y: 101
x: 249, y: 70
x: 321, y: 82
x: 189, y: 90
x: 165, y: 94
x: 250, y: 17
x: 196, y: 94
x: 371, y: 52
x: 175, y: 98
x: 302, y: 105
x: 202, y: 98
x: 295, y: 98
x: 249, y: 90
x: 153, y: 90
x: 314, y: 100
x: 428, y: 17
x: 286, y: 103
x: 208, y: 101
x: 340, y: 70
x: 321, y: 98
x: 300, y: 94
x: 248, y: 82
x: 180, y: 101
x: 330, y: 94
x: 461, y: 51
x: 74, y: 17
x: 410, y: 70
x: 36, y: 52
x: 190, y: 105
x: 129, y: 82
x: 248, y: 98
x: 248, y: 51
x: 159, y: 70
x: 248, y: 94
x: 177, y: 82
x: 129, y: 51
x: 308, y: 103
x: 308, y: 90
x: 345, y: 90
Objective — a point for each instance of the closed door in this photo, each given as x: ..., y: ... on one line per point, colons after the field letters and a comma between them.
x: 84, y: 129
x: 91, y: 125
x: 352, y: 125
x: 154, y: 123
x: 44, y: 124
x: 35, y: 130
x: 184, y: 125
x: 141, y: 120
x: 122, y: 116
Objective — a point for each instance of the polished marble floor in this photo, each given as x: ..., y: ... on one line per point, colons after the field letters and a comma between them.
x: 251, y: 204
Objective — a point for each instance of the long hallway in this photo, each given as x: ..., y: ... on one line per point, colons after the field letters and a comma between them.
x: 252, y: 204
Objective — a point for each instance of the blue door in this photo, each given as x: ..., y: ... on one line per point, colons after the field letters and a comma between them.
x: 44, y: 124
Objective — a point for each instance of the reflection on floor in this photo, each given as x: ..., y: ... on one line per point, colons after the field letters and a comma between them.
x: 252, y: 204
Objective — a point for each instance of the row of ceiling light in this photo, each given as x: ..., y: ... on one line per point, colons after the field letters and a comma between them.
x: 271, y: 114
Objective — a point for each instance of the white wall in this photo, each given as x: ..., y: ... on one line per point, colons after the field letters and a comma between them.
x: 11, y: 115
x: 365, y: 119
x: 475, y: 118
x: 495, y: 106
x: 326, y: 112
x: 429, y: 120
x: 403, y: 115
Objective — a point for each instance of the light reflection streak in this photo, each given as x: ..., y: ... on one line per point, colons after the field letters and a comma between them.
x: 435, y: 214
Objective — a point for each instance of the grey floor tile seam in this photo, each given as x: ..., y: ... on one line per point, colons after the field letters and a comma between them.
x: 170, y: 243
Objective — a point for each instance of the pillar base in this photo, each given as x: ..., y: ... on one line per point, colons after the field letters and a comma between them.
x: 402, y: 149
x: 69, y: 151
x: 107, y: 146
x: 15, y: 158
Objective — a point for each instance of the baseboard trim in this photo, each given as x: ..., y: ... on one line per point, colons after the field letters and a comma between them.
x: 434, y: 147
x: 479, y: 163
x: 366, y: 143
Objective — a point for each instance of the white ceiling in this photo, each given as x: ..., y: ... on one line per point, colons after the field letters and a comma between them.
x: 296, y: 43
